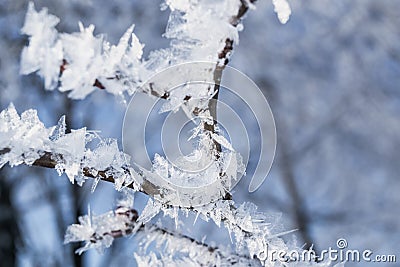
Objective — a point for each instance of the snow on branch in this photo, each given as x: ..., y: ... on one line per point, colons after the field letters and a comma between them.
x: 82, y: 62
x: 175, y: 249
x: 255, y: 235
x: 25, y: 140
x: 99, y: 231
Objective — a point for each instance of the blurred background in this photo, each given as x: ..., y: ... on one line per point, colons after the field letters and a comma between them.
x: 332, y: 78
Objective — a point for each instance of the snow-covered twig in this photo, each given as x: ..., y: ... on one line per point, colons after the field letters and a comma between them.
x: 99, y: 231
x: 25, y: 140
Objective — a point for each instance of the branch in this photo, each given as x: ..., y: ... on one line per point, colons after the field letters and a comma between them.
x: 223, y: 57
x: 27, y: 141
x: 47, y: 161
x: 4, y: 151
x: 99, y: 231
x: 101, y: 86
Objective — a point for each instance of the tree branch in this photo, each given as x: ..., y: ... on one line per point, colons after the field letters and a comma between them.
x: 127, y: 219
x: 4, y: 151
x: 223, y: 57
x: 47, y: 160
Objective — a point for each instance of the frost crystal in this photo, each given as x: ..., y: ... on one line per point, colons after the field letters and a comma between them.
x: 222, y: 140
x: 23, y: 137
x: 171, y: 249
x: 81, y: 61
x: 99, y: 231
x: 82, y: 52
x: 198, y: 31
x: 197, y: 178
x: 282, y: 9
x: 122, y: 67
x: 152, y: 209
x: 44, y: 53
x: 59, y: 130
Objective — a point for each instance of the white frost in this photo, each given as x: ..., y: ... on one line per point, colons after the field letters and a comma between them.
x: 44, y: 53
x: 24, y: 139
x: 98, y: 231
x: 282, y: 9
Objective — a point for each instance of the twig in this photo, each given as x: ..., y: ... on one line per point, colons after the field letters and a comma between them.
x: 101, y: 86
x: 131, y: 216
x: 223, y: 57
x: 47, y: 160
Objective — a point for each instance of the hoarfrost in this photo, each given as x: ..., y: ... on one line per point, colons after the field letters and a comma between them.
x: 44, y: 53
x: 282, y: 9
x: 59, y: 130
x: 173, y: 250
x: 82, y: 52
x: 151, y: 209
x: 222, y: 140
x: 80, y: 61
x: 99, y: 231
x: 24, y: 139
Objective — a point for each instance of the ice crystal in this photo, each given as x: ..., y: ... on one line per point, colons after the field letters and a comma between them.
x: 122, y: 67
x: 222, y: 140
x: 152, y: 209
x: 58, y: 130
x: 82, y: 52
x: 24, y: 139
x: 282, y: 9
x: 81, y: 61
x: 197, y: 178
x: 174, y: 250
x: 44, y: 53
x: 99, y: 231
x: 23, y: 136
